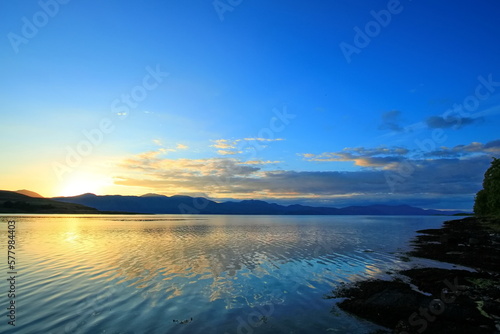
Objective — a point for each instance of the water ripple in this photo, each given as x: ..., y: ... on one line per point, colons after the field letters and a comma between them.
x: 137, y: 274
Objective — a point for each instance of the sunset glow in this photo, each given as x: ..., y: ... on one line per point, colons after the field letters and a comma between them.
x: 303, y: 105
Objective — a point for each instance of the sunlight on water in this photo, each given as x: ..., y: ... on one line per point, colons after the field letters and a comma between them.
x: 229, y: 274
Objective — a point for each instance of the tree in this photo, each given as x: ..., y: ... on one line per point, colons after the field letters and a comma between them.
x: 480, y: 203
x: 487, y: 200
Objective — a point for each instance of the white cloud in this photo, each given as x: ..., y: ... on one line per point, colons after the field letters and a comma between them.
x: 260, y: 162
x: 380, y: 157
x: 228, y: 152
x: 419, y: 178
x: 230, y: 146
x: 263, y: 139
x: 224, y: 144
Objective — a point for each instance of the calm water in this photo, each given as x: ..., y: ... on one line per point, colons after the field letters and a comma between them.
x: 230, y: 274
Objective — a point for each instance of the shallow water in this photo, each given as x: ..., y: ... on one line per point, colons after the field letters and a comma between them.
x: 229, y: 274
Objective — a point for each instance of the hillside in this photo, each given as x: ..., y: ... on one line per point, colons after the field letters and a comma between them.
x: 29, y: 193
x: 14, y: 202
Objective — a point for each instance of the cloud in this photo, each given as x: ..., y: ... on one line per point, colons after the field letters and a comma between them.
x: 234, y: 146
x: 163, y: 149
x: 228, y: 152
x: 263, y: 139
x: 224, y: 144
x: 492, y: 147
x: 259, y: 162
x: 181, y: 170
x: 442, y: 179
x: 436, y: 122
x: 232, y: 143
x: 388, y: 158
x: 380, y: 157
x: 149, y: 156
x: 391, y: 115
x: 391, y: 120
x: 381, y: 150
x: 388, y: 175
x: 438, y: 177
x: 166, y: 150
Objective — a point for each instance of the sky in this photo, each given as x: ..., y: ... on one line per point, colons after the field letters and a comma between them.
x: 326, y: 103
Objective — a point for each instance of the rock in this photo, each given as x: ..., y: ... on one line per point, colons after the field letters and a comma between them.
x: 459, y: 301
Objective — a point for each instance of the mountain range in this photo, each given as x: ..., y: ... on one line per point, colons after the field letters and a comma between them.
x: 25, y: 201
x: 160, y: 204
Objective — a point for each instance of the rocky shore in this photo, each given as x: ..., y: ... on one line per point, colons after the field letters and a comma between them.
x: 434, y: 300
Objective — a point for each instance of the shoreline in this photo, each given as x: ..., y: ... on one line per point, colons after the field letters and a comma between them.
x: 435, y: 300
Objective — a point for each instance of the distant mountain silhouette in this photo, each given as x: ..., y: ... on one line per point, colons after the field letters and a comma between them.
x: 391, y: 210
x: 152, y: 195
x: 29, y: 193
x: 14, y: 202
x: 160, y: 204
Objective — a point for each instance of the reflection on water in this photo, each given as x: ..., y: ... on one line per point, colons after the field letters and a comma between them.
x: 230, y: 274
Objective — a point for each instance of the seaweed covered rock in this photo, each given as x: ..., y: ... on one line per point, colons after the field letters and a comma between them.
x: 395, y: 305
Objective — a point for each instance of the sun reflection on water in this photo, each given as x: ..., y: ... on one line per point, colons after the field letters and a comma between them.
x: 188, y: 264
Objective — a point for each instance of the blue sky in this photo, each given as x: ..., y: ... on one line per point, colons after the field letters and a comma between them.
x: 320, y: 102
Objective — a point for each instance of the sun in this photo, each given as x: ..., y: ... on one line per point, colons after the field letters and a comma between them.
x: 81, y: 183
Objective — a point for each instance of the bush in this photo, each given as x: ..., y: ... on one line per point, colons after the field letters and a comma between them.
x: 487, y: 201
